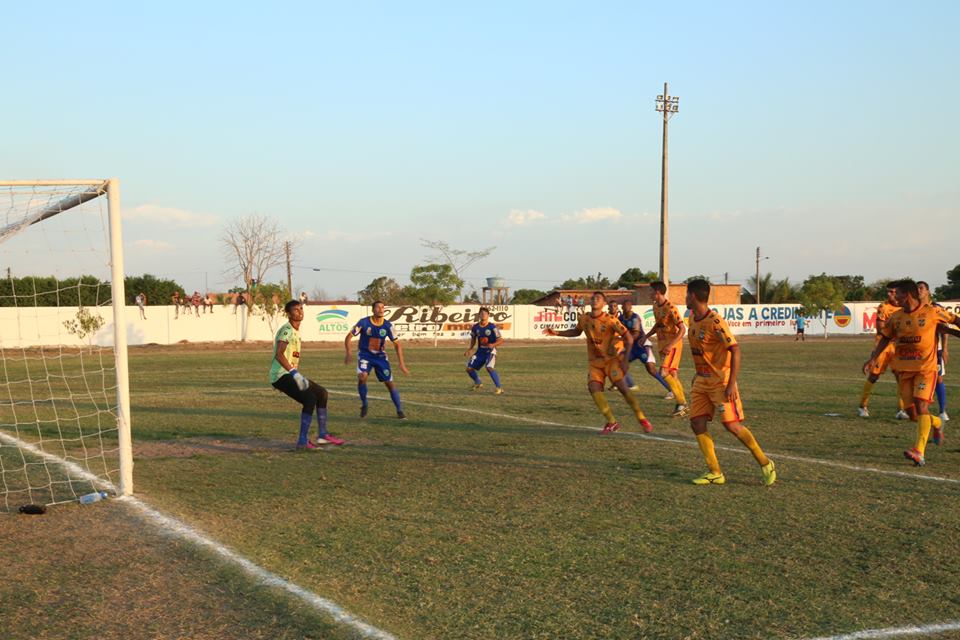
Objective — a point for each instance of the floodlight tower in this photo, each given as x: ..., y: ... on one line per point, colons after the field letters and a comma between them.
x: 668, y: 105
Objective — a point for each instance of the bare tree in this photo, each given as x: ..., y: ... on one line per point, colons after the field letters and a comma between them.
x: 459, y: 259
x: 252, y: 245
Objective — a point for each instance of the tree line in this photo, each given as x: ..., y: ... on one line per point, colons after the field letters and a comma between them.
x: 82, y: 291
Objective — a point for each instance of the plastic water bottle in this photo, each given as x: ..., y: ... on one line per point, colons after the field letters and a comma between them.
x: 90, y: 498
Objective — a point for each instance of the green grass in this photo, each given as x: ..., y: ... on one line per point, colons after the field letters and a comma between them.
x: 457, y: 524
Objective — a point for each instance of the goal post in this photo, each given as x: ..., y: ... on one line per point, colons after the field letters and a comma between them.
x: 64, y: 401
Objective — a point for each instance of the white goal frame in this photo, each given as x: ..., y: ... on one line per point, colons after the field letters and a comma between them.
x: 97, y: 189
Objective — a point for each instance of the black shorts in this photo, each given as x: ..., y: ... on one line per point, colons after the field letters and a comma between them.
x: 799, y: 330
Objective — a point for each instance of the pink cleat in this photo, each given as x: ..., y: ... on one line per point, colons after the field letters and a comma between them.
x: 332, y: 440
x: 647, y: 427
x: 609, y: 428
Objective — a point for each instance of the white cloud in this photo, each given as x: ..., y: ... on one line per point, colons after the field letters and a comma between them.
x: 152, y: 245
x: 334, y: 235
x: 594, y: 214
x: 519, y: 218
x: 170, y: 216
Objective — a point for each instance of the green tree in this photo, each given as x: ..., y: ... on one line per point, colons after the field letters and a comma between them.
x: 526, y: 296
x: 819, y: 294
x: 384, y: 289
x: 84, y: 324
x: 951, y: 290
x: 766, y: 284
x: 157, y: 290
x: 635, y: 275
x: 267, y: 300
x: 692, y: 278
x: 589, y: 283
x: 473, y: 296
x: 433, y: 284
x: 782, y: 292
x: 50, y: 291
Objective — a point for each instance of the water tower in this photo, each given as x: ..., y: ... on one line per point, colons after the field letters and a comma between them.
x: 496, y: 291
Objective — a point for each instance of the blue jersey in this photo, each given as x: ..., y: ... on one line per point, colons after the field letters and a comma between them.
x: 485, y: 335
x: 800, y: 322
x: 373, y: 337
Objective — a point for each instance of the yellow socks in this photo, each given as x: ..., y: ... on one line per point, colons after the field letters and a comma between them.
x: 865, y: 398
x: 900, y: 403
x: 601, y: 401
x: 706, y: 448
x: 935, y: 421
x: 923, y: 432
x: 751, y: 443
x: 634, y: 404
x: 676, y: 388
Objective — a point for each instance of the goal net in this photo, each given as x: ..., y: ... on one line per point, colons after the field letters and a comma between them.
x: 64, y: 401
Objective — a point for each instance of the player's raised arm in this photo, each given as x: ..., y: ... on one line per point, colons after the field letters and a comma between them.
x: 566, y: 333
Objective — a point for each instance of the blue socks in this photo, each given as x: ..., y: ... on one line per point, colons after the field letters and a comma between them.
x: 362, y: 389
x: 663, y: 382
x: 494, y: 376
x: 322, y: 421
x: 305, y: 420
x: 474, y: 376
x: 941, y: 390
x: 395, y: 396
x: 628, y: 380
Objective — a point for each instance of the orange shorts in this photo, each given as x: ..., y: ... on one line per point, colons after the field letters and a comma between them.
x: 883, y: 360
x: 708, y: 394
x: 670, y: 360
x: 918, y: 385
x: 600, y: 370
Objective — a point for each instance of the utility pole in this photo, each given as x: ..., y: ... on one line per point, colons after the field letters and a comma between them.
x: 758, y: 292
x: 668, y: 105
x: 288, y: 250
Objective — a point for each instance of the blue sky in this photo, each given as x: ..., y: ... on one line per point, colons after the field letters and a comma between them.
x: 825, y: 133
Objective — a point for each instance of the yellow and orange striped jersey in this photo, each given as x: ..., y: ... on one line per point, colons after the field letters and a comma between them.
x: 915, y: 335
x: 668, y: 320
x: 603, y: 336
x: 710, y: 342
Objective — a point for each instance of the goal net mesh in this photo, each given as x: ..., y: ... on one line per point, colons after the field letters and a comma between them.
x: 58, y: 382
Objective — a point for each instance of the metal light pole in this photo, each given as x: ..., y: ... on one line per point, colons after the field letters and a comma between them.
x: 758, y: 273
x: 668, y: 105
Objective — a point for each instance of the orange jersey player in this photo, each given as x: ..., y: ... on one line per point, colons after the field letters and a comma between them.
x: 670, y: 329
x: 886, y: 309
x: 716, y: 356
x: 608, y: 344
x: 913, y: 332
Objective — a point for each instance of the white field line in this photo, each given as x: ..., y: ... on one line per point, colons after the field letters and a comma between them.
x: 185, y: 532
x: 673, y: 440
x: 896, y: 632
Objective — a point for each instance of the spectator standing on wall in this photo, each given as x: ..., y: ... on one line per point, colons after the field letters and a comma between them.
x: 196, y: 302
x: 239, y: 300
x: 303, y: 298
x: 208, y: 303
x: 141, y: 304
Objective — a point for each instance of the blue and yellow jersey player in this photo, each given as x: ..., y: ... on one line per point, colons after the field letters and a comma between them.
x: 374, y: 331
x: 642, y: 347
x: 486, y: 337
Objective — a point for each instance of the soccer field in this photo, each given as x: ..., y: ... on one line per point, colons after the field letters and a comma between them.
x: 508, y: 516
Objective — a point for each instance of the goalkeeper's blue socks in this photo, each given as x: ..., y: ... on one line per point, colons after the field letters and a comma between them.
x: 322, y: 421
x: 395, y: 396
x: 305, y: 420
x: 495, y: 377
x: 474, y: 376
x: 663, y: 382
x: 941, y: 390
x: 628, y: 380
x: 362, y: 389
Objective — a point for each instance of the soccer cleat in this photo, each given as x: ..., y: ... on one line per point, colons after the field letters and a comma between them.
x: 363, y: 411
x: 305, y: 447
x: 769, y: 473
x: 476, y: 387
x: 862, y: 412
x: 710, y: 478
x: 610, y: 427
x: 944, y: 417
x: 635, y: 388
x: 334, y: 441
x: 321, y: 441
x: 401, y: 415
x: 679, y: 411
x: 902, y: 415
x: 670, y: 396
x: 937, y: 436
x: 915, y: 456
x: 498, y: 392
x: 647, y: 427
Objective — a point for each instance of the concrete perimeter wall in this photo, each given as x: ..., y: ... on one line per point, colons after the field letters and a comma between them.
x: 44, y: 326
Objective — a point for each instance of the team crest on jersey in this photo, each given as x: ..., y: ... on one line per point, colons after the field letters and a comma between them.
x: 487, y: 332
x: 383, y: 332
x: 369, y: 331
x: 922, y: 322
x: 701, y: 335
